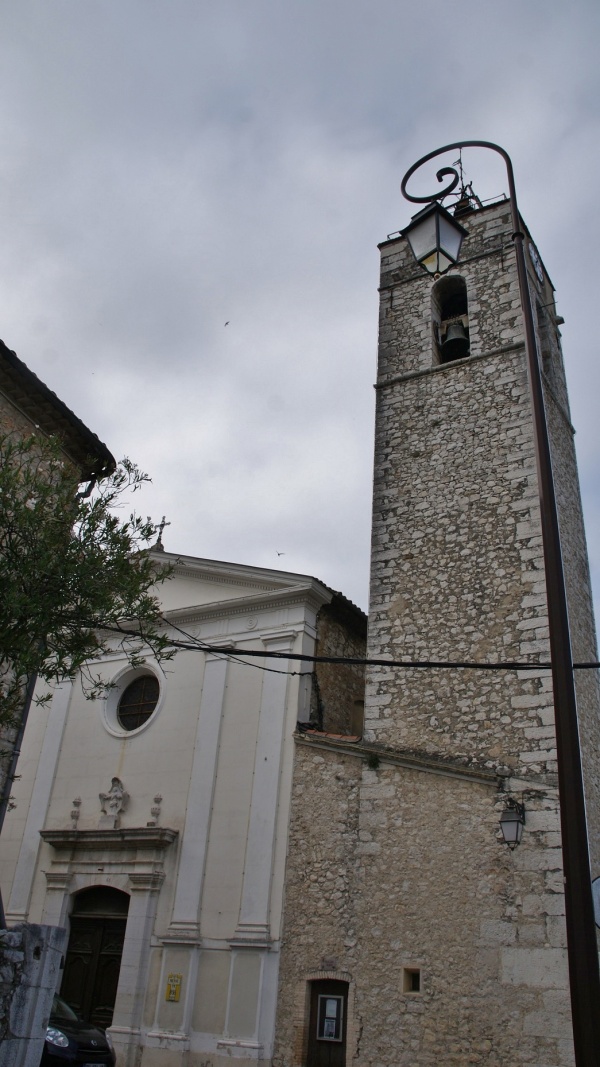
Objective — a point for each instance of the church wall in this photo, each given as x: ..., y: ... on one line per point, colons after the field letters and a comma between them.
x: 339, y: 689
x: 394, y: 870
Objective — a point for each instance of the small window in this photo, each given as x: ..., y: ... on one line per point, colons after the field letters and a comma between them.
x: 411, y: 980
x: 138, y: 702
x: 330, y: 1018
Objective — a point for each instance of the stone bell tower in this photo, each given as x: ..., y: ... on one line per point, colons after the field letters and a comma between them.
x: 445, y: 946
x: 457, y: 575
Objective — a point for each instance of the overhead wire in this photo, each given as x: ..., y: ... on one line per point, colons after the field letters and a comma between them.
x: 231, y: 652
x: 197, y: 644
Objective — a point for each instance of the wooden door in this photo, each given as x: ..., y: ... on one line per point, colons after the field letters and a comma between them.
x: 93, y: 958
x: 328, y: 1024
x: 92, y: 966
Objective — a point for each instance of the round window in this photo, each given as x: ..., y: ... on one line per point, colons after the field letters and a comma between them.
x: 138, y: 701
x: 133, y: 700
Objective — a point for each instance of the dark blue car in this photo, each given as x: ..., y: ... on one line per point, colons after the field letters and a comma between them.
x: 71, y: 1041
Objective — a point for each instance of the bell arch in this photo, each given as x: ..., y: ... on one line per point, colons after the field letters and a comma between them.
x: 450, y: 319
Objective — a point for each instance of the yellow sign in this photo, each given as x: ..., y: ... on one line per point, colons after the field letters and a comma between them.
x: 173, y: 987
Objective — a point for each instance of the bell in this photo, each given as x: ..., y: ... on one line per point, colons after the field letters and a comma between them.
x: 456, y: 345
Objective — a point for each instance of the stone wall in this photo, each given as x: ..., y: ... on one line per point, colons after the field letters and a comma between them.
x: 30, y: 959
x: 397, y: 869
x: 339, y: 689
x: 12, y: 419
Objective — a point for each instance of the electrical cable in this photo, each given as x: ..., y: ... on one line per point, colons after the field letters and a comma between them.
x: 356, y: 661
x: 257, y: 666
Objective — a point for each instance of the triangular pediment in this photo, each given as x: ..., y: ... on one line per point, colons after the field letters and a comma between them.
x: 201, y: 583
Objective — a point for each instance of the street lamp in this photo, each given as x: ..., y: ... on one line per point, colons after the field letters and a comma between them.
x: 512, y: 822
x: 435, y: 238
x: 584, y: 976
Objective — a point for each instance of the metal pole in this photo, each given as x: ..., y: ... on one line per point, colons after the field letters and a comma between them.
x: 584, y: 974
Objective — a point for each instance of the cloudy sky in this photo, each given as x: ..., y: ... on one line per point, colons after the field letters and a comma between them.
x: 168, y: 166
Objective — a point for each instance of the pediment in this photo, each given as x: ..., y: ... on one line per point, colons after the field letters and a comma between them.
x: 200, y: 583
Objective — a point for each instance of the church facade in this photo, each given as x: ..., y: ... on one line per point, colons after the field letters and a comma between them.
x: 418, y: 937
x: 152, y: 824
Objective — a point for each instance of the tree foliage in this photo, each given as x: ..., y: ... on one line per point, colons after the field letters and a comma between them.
x: 72, y: 571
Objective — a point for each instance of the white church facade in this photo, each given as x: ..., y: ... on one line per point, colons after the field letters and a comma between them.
x: 153, y: 822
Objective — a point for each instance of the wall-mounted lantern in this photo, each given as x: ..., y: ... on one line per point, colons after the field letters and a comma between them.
x: 512, y: 822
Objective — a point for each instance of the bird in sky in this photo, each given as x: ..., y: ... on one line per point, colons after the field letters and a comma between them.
x: 227, y: 323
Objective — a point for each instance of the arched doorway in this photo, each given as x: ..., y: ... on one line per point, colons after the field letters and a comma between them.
x: 93, y: 958
x: 328, y: 1024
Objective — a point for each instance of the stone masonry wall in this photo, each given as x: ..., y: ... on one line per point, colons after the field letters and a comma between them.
x: 457, y: 568
x: 12, y: 420
x: 339, y: 689
x: 30, y: 958
x: 393, y: 869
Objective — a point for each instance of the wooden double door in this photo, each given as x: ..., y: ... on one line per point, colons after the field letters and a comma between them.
x: 93, y: 958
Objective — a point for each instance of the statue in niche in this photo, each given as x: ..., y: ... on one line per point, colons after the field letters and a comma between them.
x: 112, y: 804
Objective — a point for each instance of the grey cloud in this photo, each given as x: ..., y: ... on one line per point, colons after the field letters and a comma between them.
x: 168, y: 168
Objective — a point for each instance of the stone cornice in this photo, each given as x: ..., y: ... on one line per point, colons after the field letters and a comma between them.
x: 430, y: 765
x: 493, y: 353
x: 444, y: 368
x: 143, y: 837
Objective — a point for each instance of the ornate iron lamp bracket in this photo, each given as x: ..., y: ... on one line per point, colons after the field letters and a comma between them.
x: 448, y: 171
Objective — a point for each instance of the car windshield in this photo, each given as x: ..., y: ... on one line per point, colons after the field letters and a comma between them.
x: 61, y: 1010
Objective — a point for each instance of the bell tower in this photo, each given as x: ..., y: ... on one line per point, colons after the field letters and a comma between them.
x: 457, y: 577
x: 449, y: 945
x: 457, y: 570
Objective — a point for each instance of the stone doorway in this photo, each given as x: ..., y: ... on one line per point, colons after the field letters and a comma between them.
x: 93, y: 958
x: 328, y: 1024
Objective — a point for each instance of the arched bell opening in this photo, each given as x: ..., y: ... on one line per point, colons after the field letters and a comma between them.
x: 450, y: 317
